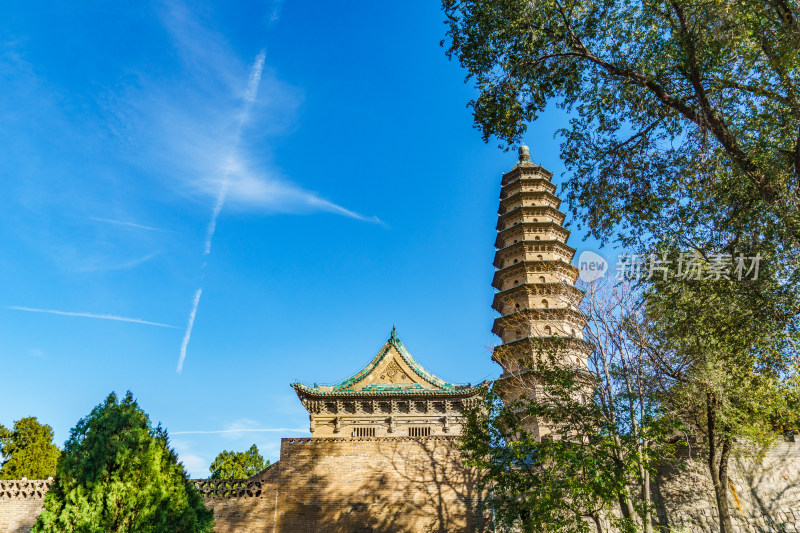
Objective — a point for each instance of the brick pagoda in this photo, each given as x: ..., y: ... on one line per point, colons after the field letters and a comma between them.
x: 537, y: 298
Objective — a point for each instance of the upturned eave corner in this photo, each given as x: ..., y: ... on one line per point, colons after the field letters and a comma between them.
x: 421, y: 383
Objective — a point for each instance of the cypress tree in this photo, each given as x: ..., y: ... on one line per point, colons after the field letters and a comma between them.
x: 118, y: 473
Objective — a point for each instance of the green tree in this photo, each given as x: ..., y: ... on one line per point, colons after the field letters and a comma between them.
x: 685, y: 121
x: 238, y: 465
x: 605, y: 432
x: 28, y: 450
x: 118, y: 473
x: 684, y: 114
x: 684, y: 137
x: 727, y: 374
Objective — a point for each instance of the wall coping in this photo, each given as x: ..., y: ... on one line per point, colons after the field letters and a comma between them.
x: 24, y: 489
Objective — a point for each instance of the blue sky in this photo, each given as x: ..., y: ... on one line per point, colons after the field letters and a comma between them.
x: 296, y: 176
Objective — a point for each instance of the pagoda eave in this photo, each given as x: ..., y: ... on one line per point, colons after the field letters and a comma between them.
x: 538, y: 289
x: 534, y: 267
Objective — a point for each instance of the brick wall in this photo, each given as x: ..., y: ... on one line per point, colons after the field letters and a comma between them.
x: 767, y: 491
x: 18, y: 516
x: 21, y: 501
x: 419, y: 485
x: 359, y: 486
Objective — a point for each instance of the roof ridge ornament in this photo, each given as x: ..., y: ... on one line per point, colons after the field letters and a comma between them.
x: 524, y: 153
x: 393, y: 337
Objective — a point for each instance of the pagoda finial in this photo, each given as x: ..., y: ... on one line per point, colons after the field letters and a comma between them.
x: 394, y: 334
x: 524, y: 153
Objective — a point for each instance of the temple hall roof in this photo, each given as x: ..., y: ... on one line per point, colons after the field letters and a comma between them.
x: 392, y: 372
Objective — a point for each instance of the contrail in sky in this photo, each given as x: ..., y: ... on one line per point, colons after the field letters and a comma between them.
x: 129, y: 224
x: 189, y: 326
x: 91, y: 315
x: 249, y: 99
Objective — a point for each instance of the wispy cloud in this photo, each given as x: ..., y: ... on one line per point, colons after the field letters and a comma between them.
x: 190, y: 131
x: 195, y: 464
x: 250, y: 95
x: 129, y: 224
x: 206, y: 153
x: 188, y: 334
x: 243, y: 430
x: 239, y: 428
x: 91, y: 315
x: 274, y: 11
x: 99, y: 263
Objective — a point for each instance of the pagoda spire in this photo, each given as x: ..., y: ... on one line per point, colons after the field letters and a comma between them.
x: 536, y: 296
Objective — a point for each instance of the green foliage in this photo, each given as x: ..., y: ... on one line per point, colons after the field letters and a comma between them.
x: 28, y: 450
x: 238, y: 465
x: 682, y: 111
x: 712, y: 348
x: 118, y: 473
x: 724, y: 362
x: 684, y: 120
x: 787, y: 419
x: 683, y: 137
x: 594, y: 457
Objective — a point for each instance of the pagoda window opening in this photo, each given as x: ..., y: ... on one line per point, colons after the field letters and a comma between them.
x: 536, y: 238
x: 545, y: 304
x: 548, y: 330
x: 541, y: 279
x: 419, y: 431
x: 539, y: 257
x: 363, y: 432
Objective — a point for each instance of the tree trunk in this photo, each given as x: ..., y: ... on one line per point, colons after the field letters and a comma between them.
x: 721, y: 489
x: 597, y: 523
x: 718, y: 465
x: 648, y: 515
x: 626, y: 507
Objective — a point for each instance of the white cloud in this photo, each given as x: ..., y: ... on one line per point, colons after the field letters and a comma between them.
x: 90, y: 315
x: 240, y: 432
x: 194, y: 464
x: 188, y: 129
x: 239, y: 429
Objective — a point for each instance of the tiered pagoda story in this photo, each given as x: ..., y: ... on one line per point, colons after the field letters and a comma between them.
x: 393, y: 396
x: 538, y: 302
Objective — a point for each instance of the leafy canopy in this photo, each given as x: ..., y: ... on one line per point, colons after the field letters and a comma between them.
x: 28, y: 450
x: 685, y: 117
x: 238, y: 465
x: 118, y: 473
x: 684, y: 138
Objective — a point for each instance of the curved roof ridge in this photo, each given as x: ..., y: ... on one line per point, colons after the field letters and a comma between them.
x: 393, y: 341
